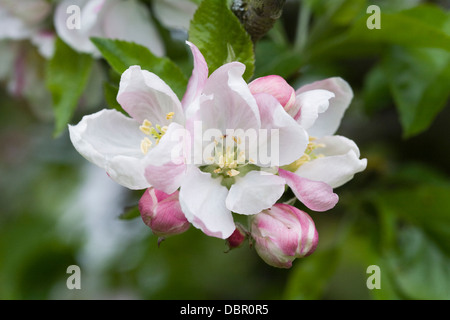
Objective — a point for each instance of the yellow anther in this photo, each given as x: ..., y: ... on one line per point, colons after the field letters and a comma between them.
x: 232, y: 172
x: 146, y: 123
x: 146, y: 143
x: 218, y: 170
x: 145, y: 129
x: 170, y: 115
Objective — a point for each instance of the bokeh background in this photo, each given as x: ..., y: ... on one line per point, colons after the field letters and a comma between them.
x: 56, y: 209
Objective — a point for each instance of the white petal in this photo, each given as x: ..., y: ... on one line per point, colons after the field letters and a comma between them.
x: 111, y: 140
x: 339, y: 164
x: 328, y: 122
x: 196, y: 82
x: 79, y: 39
x: 131, y: 21
x: 146, y: 96
x: 254, y: 192
x: 282, y: 137
x: 309, y: 104
x: 174, y: 13
x: 202, y: 200
x: 233, y: 106
x: 165, y: 167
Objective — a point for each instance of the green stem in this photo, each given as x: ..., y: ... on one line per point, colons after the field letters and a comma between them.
x: 302, y: 27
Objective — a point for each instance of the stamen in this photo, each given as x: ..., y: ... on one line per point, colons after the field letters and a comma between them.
x: 146, y: 143
x: 170, y: 115
x: 232, y: 172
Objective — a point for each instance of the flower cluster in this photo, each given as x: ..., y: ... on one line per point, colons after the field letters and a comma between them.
x: 227, y: 148
x: 29, y: 30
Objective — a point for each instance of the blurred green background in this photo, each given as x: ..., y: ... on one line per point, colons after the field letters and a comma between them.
x: 58, y: 210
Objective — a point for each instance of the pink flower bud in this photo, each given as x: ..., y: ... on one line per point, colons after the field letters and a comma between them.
x: 162, y: 213
x: 275, y: 86
x: 237, y: 237
x: 283, y: 233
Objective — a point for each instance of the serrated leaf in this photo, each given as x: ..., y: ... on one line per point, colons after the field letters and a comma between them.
x: 419, y: 80
x: 66, y: 77
x: 122, y: 54
x: 216, y: 31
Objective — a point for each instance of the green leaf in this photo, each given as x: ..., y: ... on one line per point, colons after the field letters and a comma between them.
x: 129, y: 213
x: 310, y: 275
x: 426, y: 206
x: 66, y: 77
x: 216, y: 31
x: 122, y: 54
x: 425, y: 26
x: 276, y: 59
x: 419, y: 80
x: 110, y: 91
x: 418, y: 267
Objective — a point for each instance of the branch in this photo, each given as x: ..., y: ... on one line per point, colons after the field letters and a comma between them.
x: 258, y: 16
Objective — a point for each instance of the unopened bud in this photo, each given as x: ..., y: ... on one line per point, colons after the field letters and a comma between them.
x: 237, y: 237
x: 283, y: 233
x: 162, y: 213
x: 275, y: 86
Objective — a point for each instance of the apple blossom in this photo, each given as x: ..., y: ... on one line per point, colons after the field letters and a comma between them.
x: 25, y: 20
x: 114, y: 19
x: 162, y: 213
x: 283, y: 233
x: 212, y: 146
x: 319, y: 108
x: 220, y: 176
x: 123, y: 145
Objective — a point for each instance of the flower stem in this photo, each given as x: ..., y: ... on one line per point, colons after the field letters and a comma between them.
x: 258, y: 16
x: 302, y: 31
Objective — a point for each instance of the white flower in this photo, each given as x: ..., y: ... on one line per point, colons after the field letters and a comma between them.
x: 123, y: 145
x: 114, y: 19
x: 319, y: 108
x: 219, y: 177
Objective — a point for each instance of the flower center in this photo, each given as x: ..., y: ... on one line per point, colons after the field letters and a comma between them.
x: 309, y: 155
x: 229, y: 158
x: 156, y: 132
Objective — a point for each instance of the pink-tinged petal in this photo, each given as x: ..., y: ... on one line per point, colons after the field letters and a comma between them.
x: 197, y: 80
x: 316, y: 195
x: 275, y: 86
x: 166, y: 165
x: 309, y: 105
x: 328, y: 122
x: 285, y: 140
x: 131, y: 21
x: 233, y: 106
x: 202, y: 200
x: 254, y: 192
x: 308, y: 237
x: 111, y: 140
x: 337, y: 165
x: 145, y: 96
